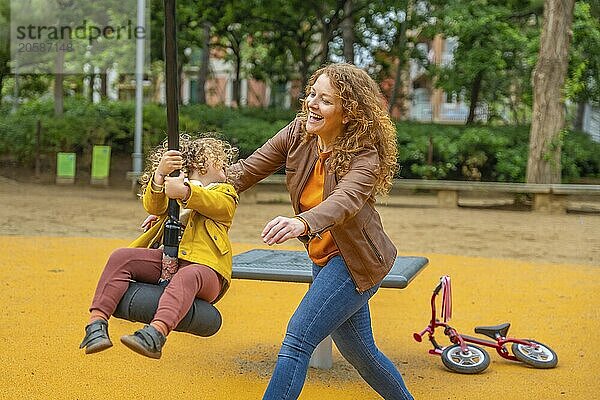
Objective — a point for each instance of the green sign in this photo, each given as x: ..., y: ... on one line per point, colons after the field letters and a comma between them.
x: 65, y: 165
x: 100, y: 162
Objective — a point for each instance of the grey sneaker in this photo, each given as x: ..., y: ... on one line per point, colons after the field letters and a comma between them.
x: 147, y: 341
x: 96, y: 337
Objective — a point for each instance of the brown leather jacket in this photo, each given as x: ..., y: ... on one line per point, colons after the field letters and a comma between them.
x: 348, y: 203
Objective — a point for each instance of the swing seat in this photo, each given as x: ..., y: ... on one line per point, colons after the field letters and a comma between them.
x: 140, y: 302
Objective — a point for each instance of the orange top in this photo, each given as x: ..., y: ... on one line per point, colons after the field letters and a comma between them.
x: 320, y: 250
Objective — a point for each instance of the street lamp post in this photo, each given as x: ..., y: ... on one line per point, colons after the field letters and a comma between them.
x: 139, y: 90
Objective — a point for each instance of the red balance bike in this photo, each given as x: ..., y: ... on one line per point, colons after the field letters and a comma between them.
x: 466, y: 358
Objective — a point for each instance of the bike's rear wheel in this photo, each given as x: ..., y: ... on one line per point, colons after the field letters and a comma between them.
x: 540, y: 356
x: 473, y: 361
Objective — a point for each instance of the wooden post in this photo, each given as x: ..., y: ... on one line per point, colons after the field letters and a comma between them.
x: 447, y: 198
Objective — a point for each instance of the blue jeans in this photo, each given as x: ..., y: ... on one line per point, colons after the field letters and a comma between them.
x: 333, y: 306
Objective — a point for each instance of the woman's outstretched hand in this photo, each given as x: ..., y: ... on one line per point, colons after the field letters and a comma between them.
x: 149, y: 222
x: 280, y: 229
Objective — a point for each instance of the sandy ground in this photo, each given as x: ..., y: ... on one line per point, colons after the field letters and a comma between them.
x: 540, y: 272
x: 414, y: 223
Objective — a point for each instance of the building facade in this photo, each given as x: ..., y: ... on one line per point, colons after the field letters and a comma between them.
x: 426, y: 103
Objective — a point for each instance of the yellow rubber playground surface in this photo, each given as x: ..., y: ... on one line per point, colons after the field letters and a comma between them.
x: 47, y: 284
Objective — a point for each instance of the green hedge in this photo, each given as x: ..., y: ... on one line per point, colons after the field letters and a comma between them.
x: 488, y: 153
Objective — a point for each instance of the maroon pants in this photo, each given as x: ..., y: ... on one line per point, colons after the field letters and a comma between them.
x: 144, y: 265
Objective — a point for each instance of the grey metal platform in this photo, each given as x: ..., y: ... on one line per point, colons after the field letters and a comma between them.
x: 295, y: 266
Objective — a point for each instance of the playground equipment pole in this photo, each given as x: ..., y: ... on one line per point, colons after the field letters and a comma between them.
x: 139, y: 89
x: 172, y: 228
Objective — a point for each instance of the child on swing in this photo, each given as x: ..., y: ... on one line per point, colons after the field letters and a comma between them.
x: 204, y: 268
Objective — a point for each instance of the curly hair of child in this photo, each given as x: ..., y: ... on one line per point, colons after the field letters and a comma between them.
x: 197, y: 152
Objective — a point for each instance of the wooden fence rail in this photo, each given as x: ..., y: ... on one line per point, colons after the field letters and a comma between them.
x: 546, y: 197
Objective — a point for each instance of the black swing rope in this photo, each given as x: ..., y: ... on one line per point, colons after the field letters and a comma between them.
x: 172, y: 227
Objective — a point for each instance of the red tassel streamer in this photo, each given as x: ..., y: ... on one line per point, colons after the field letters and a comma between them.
x: 446, y: 298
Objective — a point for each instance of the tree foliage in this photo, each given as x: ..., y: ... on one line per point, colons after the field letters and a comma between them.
x: 496, y: 45
x: 4, y: 43
x: 583, y: 81
x: 282, y: 42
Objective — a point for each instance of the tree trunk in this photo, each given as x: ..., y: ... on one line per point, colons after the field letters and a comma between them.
x: 236, y: 48
x: 304, y: 77
x: 325, y: 39
x: 401, y: 40
x: 103, y: 84
x: 347, y: 26
x: 330, y: 25
x: 578, y: 124
x: 548, y: 119
x: 237, y: 83
x: 475, y: 89
x: 180, y: 82
x: 1, y: 85
x: 204, y: 65
x: 38, y: 146
x: 514, y: 109
x: 91, y: 82
x: 304, y: 71
x: 397, y: 83
x: 430, y: 151
x: 59, y: 78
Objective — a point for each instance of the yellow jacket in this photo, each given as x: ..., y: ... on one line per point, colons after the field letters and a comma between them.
x: 205, y: 239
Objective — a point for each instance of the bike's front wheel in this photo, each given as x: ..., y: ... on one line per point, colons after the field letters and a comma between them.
x: 472, y: 361
x: 538, y: 356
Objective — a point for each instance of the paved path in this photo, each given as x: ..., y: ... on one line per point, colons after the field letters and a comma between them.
x: 47, y: 284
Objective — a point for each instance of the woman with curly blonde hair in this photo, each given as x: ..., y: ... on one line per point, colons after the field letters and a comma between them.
x: 204, y: 260
x: 338, y: 153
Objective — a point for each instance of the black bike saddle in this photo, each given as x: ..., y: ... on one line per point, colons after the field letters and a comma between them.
x: 493, y: 331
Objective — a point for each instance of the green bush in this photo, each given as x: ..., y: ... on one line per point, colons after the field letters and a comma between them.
x: 81, y: 126
x: 269, y: 114
x: 249, y: 134
x: 486, y: 153
x: 580, y: 157
x: 430, y: 151
x: 246, y: 129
